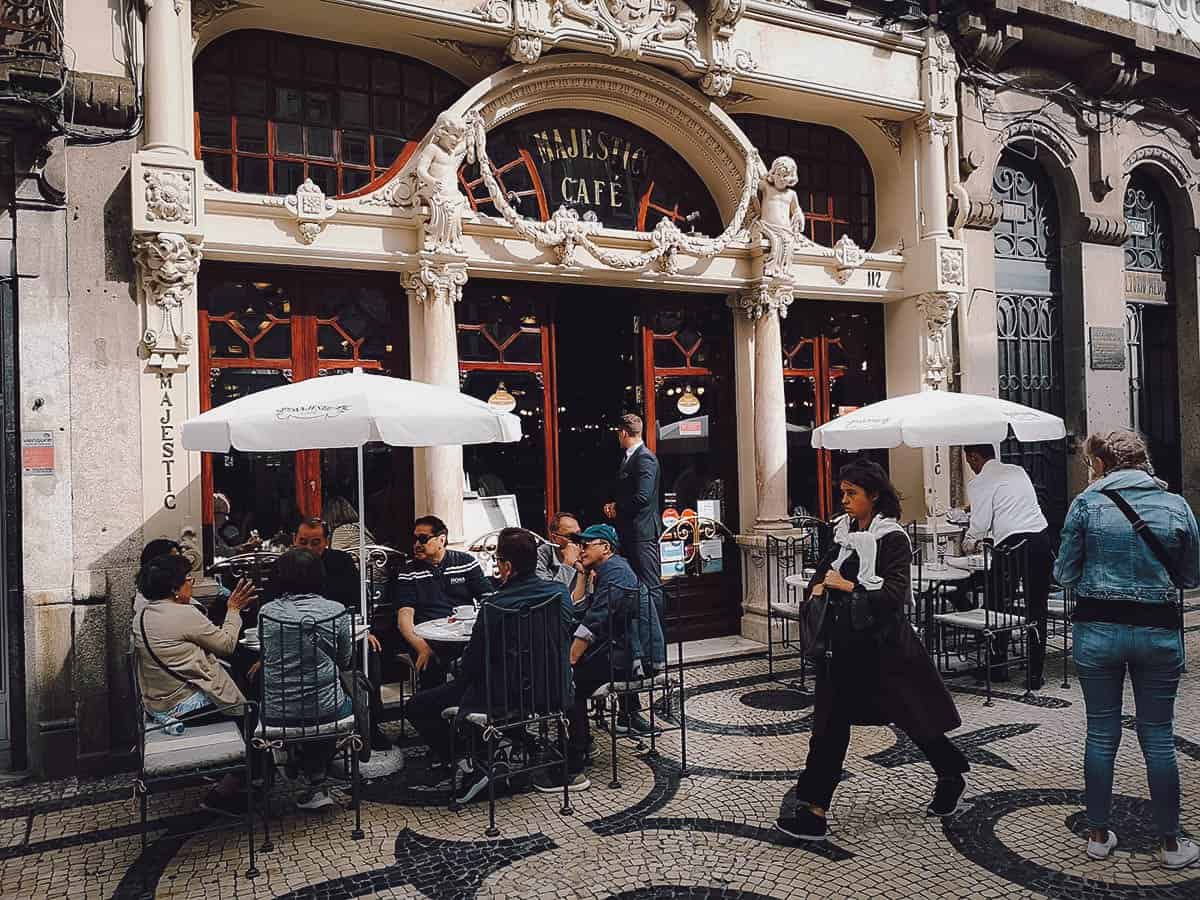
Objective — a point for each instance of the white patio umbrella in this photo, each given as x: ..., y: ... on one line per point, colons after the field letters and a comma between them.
x: 349, y: 411
x: 934, y: 419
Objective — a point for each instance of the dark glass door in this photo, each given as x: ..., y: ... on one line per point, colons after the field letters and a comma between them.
x: 1029, y: 318
x: 1150, y: 327
x: 833, y: 364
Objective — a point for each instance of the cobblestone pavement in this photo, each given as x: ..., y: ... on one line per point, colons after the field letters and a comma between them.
x: 706, y: 834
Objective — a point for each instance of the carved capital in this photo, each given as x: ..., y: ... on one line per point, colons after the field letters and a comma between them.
x: 1099, y: 229
x: 772, y: 296
x: 934, y: 127
x: 847, y: 257
x: 436, y: 282
x: 311, y: 208
x: 167, y: 266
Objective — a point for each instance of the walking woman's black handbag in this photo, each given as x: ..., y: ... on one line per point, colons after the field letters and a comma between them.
x: 812, y: 625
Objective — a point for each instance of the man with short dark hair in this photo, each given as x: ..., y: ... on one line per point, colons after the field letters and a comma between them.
x: 634, y: 509
x: 1005, y: 508
x: 516, y: 560
x: 437, y: 580
x: 341, y: 574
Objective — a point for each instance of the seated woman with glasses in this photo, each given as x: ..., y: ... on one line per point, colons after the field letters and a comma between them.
x: 306, y: 639
x: 177, y: 650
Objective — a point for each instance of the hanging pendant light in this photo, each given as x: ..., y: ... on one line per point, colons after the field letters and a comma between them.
x: 502, y: 399
x: 688, y: 403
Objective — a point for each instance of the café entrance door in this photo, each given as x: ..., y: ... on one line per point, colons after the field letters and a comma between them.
x: 833, y: 364
x: 571, y: 362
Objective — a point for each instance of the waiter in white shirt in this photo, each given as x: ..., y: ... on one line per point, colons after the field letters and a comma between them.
x: 1004, y: 507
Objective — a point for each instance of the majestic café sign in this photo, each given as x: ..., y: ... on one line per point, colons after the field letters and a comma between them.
x: 596, y: 164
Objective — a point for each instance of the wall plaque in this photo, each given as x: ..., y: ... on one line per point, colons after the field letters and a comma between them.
x: 1108, y: 349
x: 1146, y: 286
x: 37, y: 453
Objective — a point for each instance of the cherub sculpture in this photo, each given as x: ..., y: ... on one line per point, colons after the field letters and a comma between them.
x: 775, y: 214
x: 437, y: 183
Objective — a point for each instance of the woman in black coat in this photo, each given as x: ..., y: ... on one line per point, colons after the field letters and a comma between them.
x: 875, y: 670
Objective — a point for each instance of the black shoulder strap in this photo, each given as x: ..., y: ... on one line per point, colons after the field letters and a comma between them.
x: 1143, y: 530
x: 154, y: 656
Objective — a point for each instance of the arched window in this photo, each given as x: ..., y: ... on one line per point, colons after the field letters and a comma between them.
x: 273, y: 109
x: 835, y: 184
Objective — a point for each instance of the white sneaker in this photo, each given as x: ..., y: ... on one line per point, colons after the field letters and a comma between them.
x: 314, y: 801
x: 1188, y: 853
x: 1101, y: 849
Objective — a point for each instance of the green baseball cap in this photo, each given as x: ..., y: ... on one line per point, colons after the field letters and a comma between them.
x: 601, y: 533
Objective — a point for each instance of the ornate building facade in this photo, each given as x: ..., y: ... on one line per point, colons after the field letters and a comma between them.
x: 737, y: 218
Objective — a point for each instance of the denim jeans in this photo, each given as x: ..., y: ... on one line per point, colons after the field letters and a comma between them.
x: 1154, y: 658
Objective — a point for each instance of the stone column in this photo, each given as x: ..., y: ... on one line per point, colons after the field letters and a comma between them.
x: 166, y: 57
x: 434, y: 289
x: 765, y: 305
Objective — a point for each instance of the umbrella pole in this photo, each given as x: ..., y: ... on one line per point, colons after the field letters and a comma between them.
x: 362, y: 557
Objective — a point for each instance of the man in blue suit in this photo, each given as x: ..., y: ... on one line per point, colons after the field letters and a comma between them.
x: 634, y: 509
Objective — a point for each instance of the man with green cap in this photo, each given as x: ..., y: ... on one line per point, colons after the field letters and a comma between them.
x: 614, y: 588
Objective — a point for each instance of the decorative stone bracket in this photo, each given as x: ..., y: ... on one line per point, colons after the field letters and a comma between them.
x: 167, y: 266
x: 1095, y: 228
x: 938, y: 308
x: 311, y: 208
x: 847, y: 256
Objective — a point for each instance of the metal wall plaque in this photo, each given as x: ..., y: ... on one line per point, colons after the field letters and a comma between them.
x: 1108, y: 349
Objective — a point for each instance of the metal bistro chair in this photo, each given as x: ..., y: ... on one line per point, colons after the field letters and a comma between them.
x: 382, y: 564
x: 527, y: 690
x: 296, y: 722
x: 256, y: 567
x: 633, y: 670
x: 166, y: 761
x: 794, y: 556
x: 1003, y: 612
x: 1060, y: 611
x: 483, y: 548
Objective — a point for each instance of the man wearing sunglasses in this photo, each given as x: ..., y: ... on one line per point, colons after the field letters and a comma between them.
x: 559, y: 560
x: 437, y: 580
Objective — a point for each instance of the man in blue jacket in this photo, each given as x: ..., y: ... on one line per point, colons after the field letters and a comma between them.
x: 516, y: 561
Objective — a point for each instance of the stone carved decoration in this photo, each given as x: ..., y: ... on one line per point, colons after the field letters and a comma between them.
x: 1165, y: 160
x: 1099, y: 229
x: 723, y: 17
x: 566, y: 231
x: 951, y: 265
x: 776, y: 217
x: 978, y: 212
x: 1114, y: 77
x: 631, y: 24
x: 311, y: 208
x: 938, y: 308
x: 170, y: 195
x: 436, y: 282
x: 432, y: 184
x: 934, y: 127
x: 205, y: 12
x: 167, y: 266
x: 1043, y: 133
x: 521, y: 16
x: 940, y: 68
x: 763, y: 299
x: 891, y: 130
x: 847, y: 256
x: 987, y: 43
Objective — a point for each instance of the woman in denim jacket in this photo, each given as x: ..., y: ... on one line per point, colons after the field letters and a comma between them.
x: 1126, y: 616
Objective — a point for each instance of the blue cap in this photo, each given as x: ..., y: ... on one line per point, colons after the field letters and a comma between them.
x: 601, y: 533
